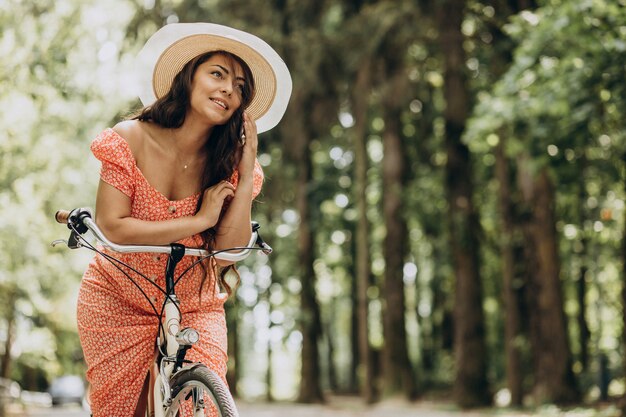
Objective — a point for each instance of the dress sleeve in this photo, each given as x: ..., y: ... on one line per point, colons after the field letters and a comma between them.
x: 257, y: 181
x: 117, y: 160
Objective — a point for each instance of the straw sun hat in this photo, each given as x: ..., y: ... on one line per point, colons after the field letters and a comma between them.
x: 171, y: 47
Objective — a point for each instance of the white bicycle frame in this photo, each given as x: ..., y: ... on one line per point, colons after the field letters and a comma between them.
x: 174, y: 336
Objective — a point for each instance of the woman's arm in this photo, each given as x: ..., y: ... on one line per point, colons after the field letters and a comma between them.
x: 234, y: 228
x: 113, y: 209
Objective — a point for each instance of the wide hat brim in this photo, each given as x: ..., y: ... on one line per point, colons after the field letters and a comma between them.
x: 172, y: 46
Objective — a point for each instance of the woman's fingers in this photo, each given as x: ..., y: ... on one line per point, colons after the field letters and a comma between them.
x: 250, y: 127
x: 219, y: 192
x: 220, y: 186
x: 225, y: 188
x: 249, y: 150
x: 226, y: 192
x: 226, y: 185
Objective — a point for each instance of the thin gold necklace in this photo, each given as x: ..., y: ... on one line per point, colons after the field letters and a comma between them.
x: 185, y: 165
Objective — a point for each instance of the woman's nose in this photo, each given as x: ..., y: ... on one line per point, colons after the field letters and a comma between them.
x: 227, y: 88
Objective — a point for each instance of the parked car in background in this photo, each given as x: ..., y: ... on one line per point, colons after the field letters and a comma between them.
x: 67, y: 389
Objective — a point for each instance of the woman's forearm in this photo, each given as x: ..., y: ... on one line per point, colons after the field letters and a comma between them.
x: 234, y: 228
x: 113, y: 217
x: 131, y: 231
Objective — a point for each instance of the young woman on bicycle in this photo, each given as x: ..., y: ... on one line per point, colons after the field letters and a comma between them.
x: 183, y: 170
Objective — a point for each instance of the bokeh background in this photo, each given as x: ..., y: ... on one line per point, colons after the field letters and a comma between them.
x: 445, y: 195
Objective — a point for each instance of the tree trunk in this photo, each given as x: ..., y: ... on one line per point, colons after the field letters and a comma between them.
x: 470, y: 386
x: 363, y: 268
x: 623, y: 399
x: 581, y: 283
x: 269, y: 396
x: 581, y: 318
x: 512, y: 308
x: 310, y: 389
x: 5, y: 366
x: 554, y: 379
x: 269, y: 375
x: 299, y: 127
x: 397, y: 372
x: 330, y: 339
x: 430, y: 329
x: 353, y: 386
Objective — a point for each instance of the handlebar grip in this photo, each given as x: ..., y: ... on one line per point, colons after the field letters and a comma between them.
x: 62, y: 216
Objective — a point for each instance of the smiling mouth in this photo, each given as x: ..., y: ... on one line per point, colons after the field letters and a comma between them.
x: 220, y: 103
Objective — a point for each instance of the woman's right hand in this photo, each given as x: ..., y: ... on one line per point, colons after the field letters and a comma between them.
x: 212, y: 203
x: 249, y: 150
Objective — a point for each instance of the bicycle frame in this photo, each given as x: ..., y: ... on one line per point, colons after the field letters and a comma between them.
x: 161, y: 397
x: 175, y: 340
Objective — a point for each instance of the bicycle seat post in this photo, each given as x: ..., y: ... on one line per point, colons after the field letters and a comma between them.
x: 178, y: 251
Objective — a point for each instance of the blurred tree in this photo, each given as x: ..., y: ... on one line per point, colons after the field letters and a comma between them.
x: 397, y: 370
x: 470, y: 386
x: 360, y: 87
x: 542, y: 113
x: 382, y: 52
x: 313, y: 105
x: 554, y: 378
x: 547, y: 92
x: 58, y: 60
x: 498, y: 57
x: 363, y: 277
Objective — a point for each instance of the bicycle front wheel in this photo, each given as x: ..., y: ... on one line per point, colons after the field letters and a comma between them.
x: 192, y: 390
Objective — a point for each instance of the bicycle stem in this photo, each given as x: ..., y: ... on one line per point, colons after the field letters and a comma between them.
x: 178, y: 251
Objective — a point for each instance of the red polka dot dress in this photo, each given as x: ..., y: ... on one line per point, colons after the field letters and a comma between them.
x: 116, y: 323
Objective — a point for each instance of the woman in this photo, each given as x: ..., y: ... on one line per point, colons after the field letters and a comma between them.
x: 184, y: 169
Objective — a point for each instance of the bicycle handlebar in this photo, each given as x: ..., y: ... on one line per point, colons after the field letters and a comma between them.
x: 80, y: 219
x: 62, y: 216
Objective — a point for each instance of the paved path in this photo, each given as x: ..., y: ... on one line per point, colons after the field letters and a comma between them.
x: 351, y: 408
x: 348, y: 407
x: 337, y: 408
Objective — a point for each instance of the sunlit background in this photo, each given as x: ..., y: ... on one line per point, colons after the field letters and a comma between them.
x: 545, y: 95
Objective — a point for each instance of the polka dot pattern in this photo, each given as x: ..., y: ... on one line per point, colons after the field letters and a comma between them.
x: 116, y: 323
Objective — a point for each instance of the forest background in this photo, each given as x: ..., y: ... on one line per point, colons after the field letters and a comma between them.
x: 445, y: 195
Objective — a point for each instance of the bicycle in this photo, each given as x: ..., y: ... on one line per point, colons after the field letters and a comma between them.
x: 174, y: 381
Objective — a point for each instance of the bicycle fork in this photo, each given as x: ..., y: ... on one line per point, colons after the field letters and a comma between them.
x: 177, y: 341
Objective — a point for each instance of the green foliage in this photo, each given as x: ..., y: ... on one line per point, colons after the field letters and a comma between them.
x: 66, y: 76
x: 562, y: 102
x: 565, y: 78
x: 56, y: 79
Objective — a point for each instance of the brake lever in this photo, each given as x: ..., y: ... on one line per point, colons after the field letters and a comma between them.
x: 73, y: 242
x: 265, y: 248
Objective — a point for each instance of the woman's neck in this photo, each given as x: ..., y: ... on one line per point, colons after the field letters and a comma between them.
x: 191, y: 137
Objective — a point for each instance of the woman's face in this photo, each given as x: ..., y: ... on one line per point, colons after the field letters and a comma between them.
x: 216, y: 89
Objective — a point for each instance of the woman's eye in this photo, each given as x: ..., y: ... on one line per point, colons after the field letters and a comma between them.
x: 216, y: 73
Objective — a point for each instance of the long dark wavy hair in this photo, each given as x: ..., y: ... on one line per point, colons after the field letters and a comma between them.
x: 222, y: 148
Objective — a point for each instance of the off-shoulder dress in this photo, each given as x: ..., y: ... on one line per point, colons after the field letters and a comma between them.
x: 116, y: 324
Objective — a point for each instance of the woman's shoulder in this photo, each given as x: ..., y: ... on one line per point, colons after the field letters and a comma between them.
x: 141, y: 136
x: 132, y: 132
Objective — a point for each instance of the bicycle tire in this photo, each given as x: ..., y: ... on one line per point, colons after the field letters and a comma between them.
x: 202, y: 378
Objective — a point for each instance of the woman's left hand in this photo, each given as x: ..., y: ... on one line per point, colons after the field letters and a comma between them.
x: 249, y: 151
